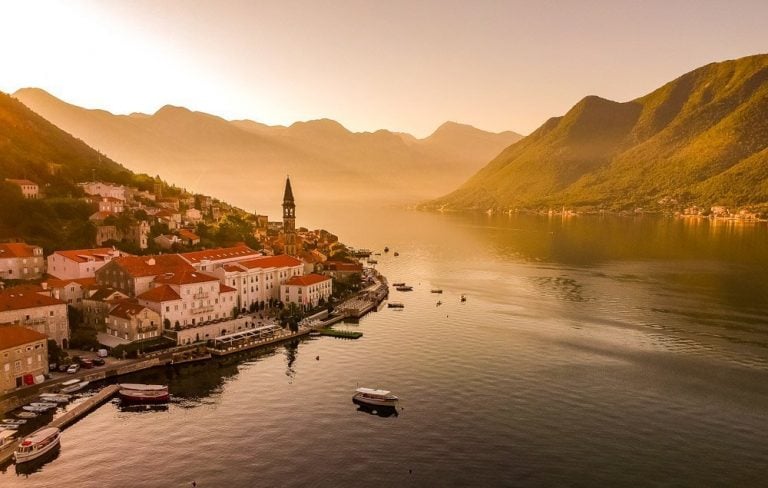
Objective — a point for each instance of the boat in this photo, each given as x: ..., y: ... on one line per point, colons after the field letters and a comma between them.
x: 436, y: 290
x: 14, y: 421
x: 386, y: 249
x: 398, y: 284
x: 31, y: 408
x: 395, y: 305
x: 372, y: 261
x: 397, y: 253
x: 77, y: 386
x: 48, y: 405
x: 463, y: 298
x: 7, y: 438
x: 37, y: 444
x: 9, y: 427
x: 136, y: 392
x: 375, y: 398
x: 315, y: 333
x: 438, y: 303
x: 404, y: 288
x: 56, y: 398
x: 26, y: 415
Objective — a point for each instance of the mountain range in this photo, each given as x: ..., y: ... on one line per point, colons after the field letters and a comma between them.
x: 699, y: 139
x: 240, y: 160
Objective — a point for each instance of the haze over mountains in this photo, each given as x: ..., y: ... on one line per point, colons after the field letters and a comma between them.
x: 241, y: 161
x: 700, y: 139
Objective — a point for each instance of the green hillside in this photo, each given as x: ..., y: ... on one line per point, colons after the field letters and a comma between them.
x: 700, y: 139
x: 32, y: 148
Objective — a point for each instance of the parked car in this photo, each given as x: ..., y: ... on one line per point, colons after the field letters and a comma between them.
x: 63, y: 367
x: 98, y: 361
x: 86, y: 363
x: 73, y: 368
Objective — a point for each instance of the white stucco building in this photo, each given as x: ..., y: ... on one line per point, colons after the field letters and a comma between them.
x: 36, y: 311
x: 79, y: 263
x: 307, y: 291
x: 20, y: 261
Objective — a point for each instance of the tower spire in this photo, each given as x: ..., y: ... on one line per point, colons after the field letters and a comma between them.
x: 289, y: 219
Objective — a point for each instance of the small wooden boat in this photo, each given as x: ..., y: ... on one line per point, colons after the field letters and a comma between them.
x: 398, y: 284
x: 48, y: 405
x: 31, y: 408
x: 56, y: 395
x: 375, y: 398
x: 386, y: 249
x: 14, y: 421
x: 438, y: 303
x: 404, y: 288
x: 26, y: 415
x: 436, y: 290
x: 397, y: 253
x: 9, y: 427
x: 135, y: 392
x: 395, y: 305
x: 48, y: 397
x: 37, y: 444
x: 463, y: 298
x: 79, y: 385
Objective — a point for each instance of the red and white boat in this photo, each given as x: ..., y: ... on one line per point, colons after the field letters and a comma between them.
x: 137, y: 392
x: 37, y: 444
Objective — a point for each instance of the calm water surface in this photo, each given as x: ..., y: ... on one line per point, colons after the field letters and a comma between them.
x: 590, y: 352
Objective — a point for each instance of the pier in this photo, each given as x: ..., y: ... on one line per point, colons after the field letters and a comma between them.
x: 71, y: 416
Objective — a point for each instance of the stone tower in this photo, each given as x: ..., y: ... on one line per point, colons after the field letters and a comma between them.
x: 289, y: 220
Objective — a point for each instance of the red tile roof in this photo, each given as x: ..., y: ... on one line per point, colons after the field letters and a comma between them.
x: 186, y: 234
x: 57, y: 283
x: 184, y: 277
x: 15, y: 300
x: 100, y: 215
x: 17, y: 336
x: 219, y: 254
x: 17, y: 250
x: 159, y: 294
x: 281, y: 261
x: 83, y: 255
x: 224, y: 288
x: 306, y: 280
x: 137, y: 266
x: 20, y: 182
x: 126, y: 309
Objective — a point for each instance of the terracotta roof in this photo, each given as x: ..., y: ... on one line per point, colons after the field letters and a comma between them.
x: 126, y: 309
x: 15, y: 300
x: 21, y: 182
x: 100, y: 215
x: 17, y: 250
x: 165, y: 213
x: 106, y: 293
x: 159, y: 294
x: 83, y: 255
x: 184, y: 277
x: 57, y: 283
x: 232, y: 267
x: 224, y: 288
x: 137, y: 266
x: 343, y: 266
x: 306, y: 280
x: 188, y: 234
x: 219, y: 254
x: 16, y: 336
x: 281, y: 261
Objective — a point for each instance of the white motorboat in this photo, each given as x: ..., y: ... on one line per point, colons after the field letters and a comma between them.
x: 9, y: 426
x: 73, y: 387
x: 26, y: 415
x: 44, y: 404
x: 375, y: 398
x: 37, y: 444
x: 14, y: 421
x: 49, y: 397
x: 136, y: 392
x: 32, y: 408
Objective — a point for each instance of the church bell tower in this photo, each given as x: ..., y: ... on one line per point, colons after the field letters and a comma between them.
x: 289, y: 219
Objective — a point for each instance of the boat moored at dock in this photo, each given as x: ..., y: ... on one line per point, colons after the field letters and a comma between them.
x: 375, y: 398
x: 395, y: 305
x: 404, y: 288
x: 72, y: 386
x: 37, y: 444
x: 141, y: 393
x: 436, y: 290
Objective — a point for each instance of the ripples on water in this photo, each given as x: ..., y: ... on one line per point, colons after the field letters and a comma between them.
x: 631, y: 364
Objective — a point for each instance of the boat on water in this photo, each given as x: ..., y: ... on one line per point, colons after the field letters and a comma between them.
x: 463, y: 298
x: 397, y: 253
x: 55, y: 398
x: 14, y: 421
x: 48, y: 405
x: 26, y: 415
x: 7, y: 438
x: 372, y: 261
x: 136, y: 392
x: 73, y: 387
x: 386, y: 249
x: 398, y: 284
x: 438, y: 303
x: 436, y: 290
x: 56, y: 395
x: 375, y: 398
x: 404, y: 288
x: 315, y: 333
x: 9, y: 426
x: 37, y: 444
x: 395, y: 305
x: 34, y: 409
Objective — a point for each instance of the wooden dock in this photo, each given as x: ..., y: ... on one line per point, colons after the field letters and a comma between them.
x: 83, y: 408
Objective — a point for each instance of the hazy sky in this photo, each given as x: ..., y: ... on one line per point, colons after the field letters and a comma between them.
x: 399, y: 65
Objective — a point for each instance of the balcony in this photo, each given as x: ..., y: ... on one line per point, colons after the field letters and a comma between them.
x: 199, y: 310
x: 200, y: 296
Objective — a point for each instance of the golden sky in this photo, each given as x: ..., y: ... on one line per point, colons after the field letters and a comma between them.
x: 399, y: 65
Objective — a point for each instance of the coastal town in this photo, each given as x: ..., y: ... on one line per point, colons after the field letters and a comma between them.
x: 68, y: 309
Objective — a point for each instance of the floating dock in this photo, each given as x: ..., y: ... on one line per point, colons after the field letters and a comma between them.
x: 71, y: 416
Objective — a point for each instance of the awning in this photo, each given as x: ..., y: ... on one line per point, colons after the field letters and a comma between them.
x: 110, y: 340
